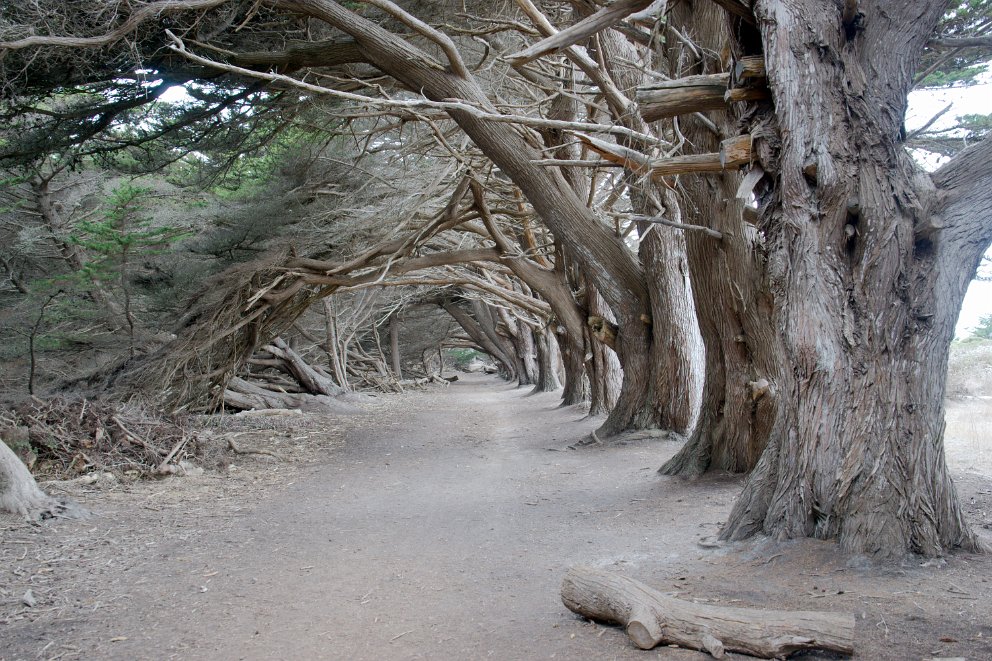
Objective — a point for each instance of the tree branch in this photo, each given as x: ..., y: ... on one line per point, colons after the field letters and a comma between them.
x: 438, y: 37
x: 964, y: 212
x: 136, y: 18
x: 300, y: 56
x: 180, y: 47
x: 602, y: 19
x: 739, y: 9
x: 961, y: 42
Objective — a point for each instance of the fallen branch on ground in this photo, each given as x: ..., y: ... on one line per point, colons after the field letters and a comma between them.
x: 239, y: 450
x: 652, y: 618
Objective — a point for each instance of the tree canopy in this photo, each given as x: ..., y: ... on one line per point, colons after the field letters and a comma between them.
x: 703, y: 215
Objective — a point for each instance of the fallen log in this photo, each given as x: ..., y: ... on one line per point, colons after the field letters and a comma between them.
x: 652, y: 618
x: 309, y: 378
x: 244, y: 395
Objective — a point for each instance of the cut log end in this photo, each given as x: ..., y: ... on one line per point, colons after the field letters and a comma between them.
x: 644, y: 631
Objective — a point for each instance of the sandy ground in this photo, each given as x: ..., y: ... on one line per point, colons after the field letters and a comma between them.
x: 439, y: 526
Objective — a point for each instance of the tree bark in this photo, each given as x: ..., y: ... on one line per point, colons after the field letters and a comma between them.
x: 312, y: 381
x: 20, y: 494
x: 576, y: 388
x: 733, y: 309
x: 661, y: 356
x: 394, y: 346
x: 652, y: 618
x: 867, y: 267
x: 547, y: 361
x: 603, y: 365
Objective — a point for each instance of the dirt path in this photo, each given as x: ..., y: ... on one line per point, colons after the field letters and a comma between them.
x: 439, y: 527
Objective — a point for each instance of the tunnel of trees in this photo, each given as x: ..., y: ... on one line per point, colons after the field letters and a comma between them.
x: 696, y: 216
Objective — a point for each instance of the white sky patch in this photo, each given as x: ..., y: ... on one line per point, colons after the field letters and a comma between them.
x: 177, y: 94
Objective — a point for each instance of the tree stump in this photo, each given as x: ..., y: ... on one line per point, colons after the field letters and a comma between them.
x: 652, y: 618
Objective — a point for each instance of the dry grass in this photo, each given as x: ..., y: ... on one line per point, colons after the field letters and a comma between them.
x: 969, y: 369
x: 968, y: 439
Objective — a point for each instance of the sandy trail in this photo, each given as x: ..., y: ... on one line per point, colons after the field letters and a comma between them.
x: 439, y: 529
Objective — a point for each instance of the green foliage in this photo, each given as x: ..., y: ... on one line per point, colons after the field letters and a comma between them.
x: 984, y: 328
x: 463, y: 357
x: 945, y: 68
x: 123, y: 233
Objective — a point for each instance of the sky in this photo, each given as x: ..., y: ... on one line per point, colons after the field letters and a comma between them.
x: 976, y: 99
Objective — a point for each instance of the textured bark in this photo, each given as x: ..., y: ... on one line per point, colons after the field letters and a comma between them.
x: 652, y: 618
x: 576, y: 386
x: 520, y: 339
x: 548, y: 361
x: 19, y: 493
x: 867, y: 266
x: 733, y: 309
x: 394, y: 346
x: 661, y: 356
x: 605, y: 372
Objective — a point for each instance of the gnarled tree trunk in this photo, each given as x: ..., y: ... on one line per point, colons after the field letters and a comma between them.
x: 662, y: 355
x: 868, y: 261
x: 733, y: 309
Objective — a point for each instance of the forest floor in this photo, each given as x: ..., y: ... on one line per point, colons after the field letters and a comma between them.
x: 439, y: 525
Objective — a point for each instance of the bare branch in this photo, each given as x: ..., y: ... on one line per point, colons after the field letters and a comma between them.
x: 961, y: 42
x: 602, y: 19
x: 535, y: 122
x: 661, y: 220
x: 930, y: 122
x: 438, y: 37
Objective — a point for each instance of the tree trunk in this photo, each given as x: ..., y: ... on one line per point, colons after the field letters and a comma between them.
x: 19, y: 493
x: 867, y: 267
x: 652, y: 618
x: 522, y: 339
x: 576, y: 390
x: 733, y: 309
x: 661, y: 356
x: 605, y: 372
x: 394, y: 346
x: 547, y: 361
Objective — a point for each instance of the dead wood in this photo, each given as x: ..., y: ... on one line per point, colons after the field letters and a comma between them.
x: 243, y: 394
x: 237, y: 449
x: 652, y: 618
